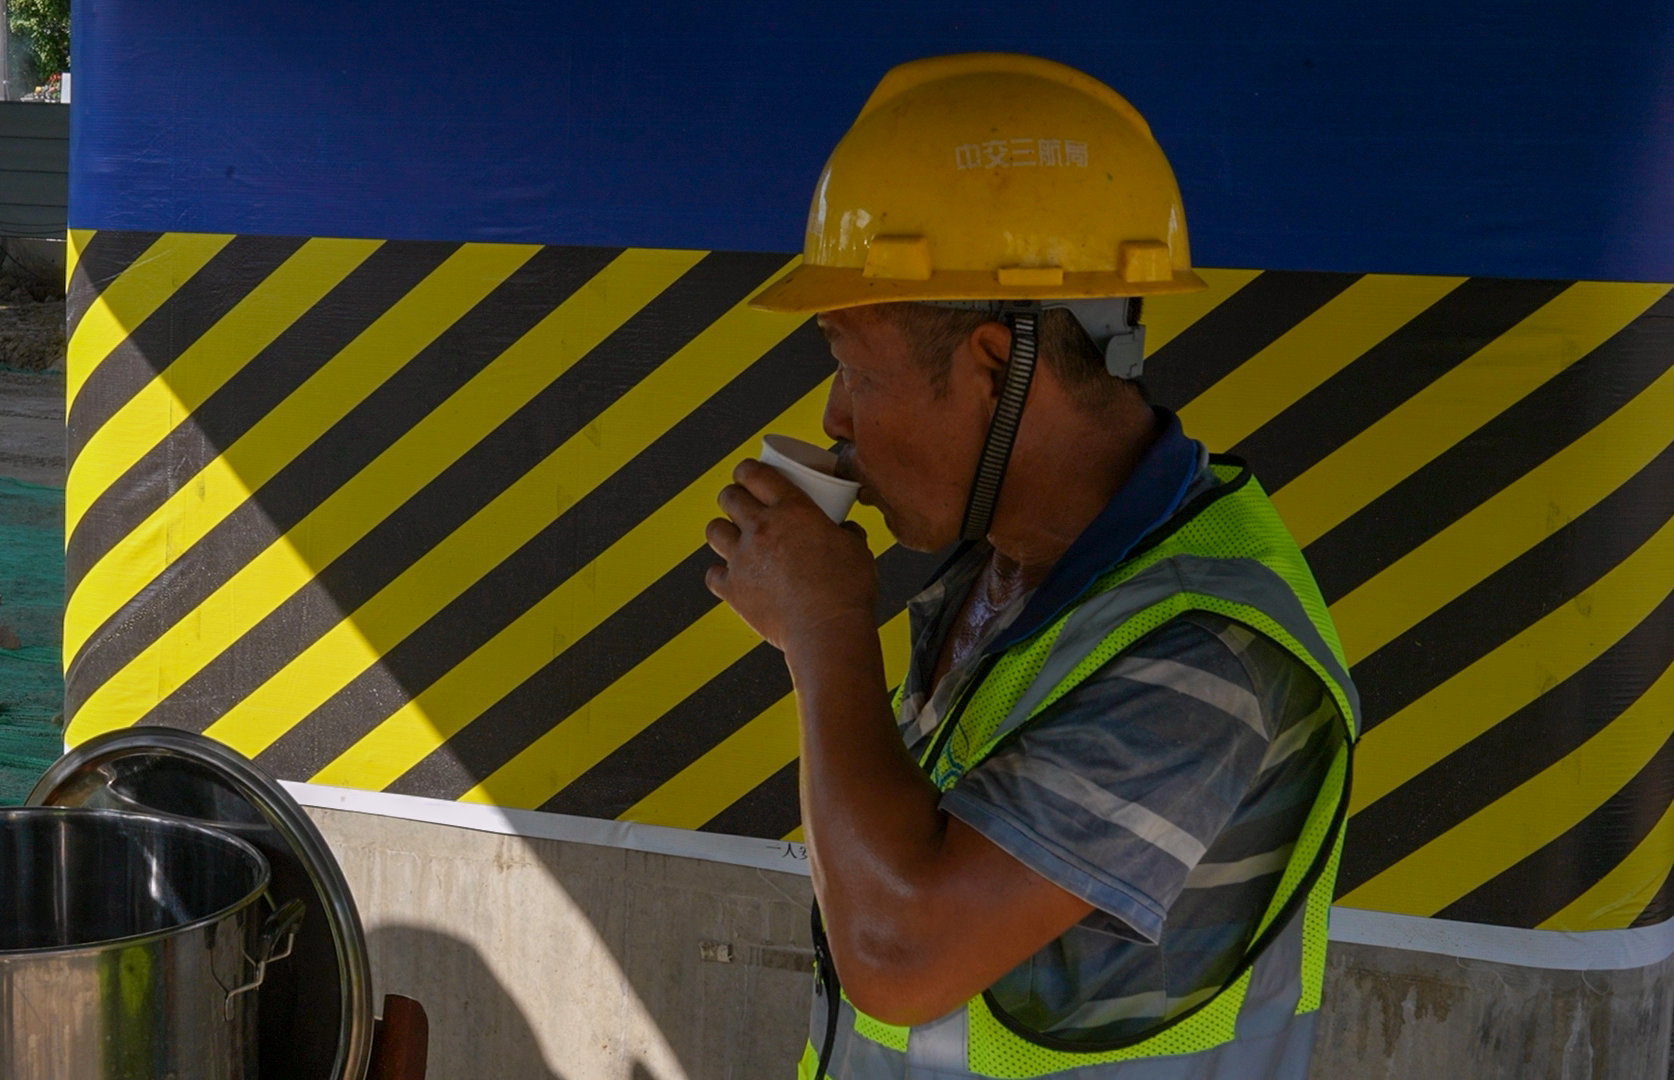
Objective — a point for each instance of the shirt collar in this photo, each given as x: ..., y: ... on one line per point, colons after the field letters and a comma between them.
x: 1152, y: 494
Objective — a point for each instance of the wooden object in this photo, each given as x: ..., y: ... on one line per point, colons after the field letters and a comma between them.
x: 400, y: 1041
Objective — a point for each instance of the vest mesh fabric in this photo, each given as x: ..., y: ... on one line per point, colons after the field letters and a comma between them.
x: 1240, y: 524
x: 879, y: 1032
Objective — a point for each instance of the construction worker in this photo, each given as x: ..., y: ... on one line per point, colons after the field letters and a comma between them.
x: 1096, y: 831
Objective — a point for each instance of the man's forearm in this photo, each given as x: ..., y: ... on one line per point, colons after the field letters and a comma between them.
x: 900, y: 882
x: 870, y: 814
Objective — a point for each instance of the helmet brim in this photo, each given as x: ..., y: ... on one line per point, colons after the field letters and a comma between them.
x: 809, y: 289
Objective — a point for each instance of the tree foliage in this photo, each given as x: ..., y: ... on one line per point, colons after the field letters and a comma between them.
x: 46, y: 25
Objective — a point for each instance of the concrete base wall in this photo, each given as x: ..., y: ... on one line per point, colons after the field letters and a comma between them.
x: 543, y: 959
x: 1397, y: 1015
x: 546, y: 959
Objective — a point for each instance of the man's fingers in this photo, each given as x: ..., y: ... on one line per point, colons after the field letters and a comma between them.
x: 739, y: 504
x: 856, y: 528
x: 722, y: 536
x: 764, y: 482
x: 715, y: 579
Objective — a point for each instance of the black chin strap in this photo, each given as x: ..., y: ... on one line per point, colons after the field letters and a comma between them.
x: 1002, y: 430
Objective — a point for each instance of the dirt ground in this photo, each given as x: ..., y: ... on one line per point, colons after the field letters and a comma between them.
x: 32, y: 426
x: 31, y: 325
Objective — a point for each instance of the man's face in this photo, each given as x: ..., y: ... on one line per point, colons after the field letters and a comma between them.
x: 913, y: 449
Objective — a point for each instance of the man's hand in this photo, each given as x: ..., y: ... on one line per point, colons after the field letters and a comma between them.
x: 788, y: 569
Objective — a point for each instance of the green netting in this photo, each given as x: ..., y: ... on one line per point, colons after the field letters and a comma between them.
x: 32, y: 608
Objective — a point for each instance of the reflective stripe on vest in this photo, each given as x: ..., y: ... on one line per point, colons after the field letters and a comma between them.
x: 1230, y: 554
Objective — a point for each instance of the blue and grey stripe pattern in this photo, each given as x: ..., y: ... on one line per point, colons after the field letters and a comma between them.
x: 1166, y: 790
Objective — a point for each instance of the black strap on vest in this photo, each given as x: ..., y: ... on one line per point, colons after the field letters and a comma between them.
x: 1024, y: 318
x: 825, y: 982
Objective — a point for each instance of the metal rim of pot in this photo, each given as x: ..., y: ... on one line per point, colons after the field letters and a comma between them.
x: 212, y: 834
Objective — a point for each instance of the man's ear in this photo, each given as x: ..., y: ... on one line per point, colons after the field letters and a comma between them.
x: 990, y: 346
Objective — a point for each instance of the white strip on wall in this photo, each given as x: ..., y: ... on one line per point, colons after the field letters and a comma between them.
x: 1597, y: 950
x: 742, y: 850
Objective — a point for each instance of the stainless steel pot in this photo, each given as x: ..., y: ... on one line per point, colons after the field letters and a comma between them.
x: 130, y: 947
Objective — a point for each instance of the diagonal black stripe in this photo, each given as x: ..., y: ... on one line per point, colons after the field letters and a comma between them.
x: 563, y: 548
x: 1552, y: 573
x: 371, y: 427
x: 769, y: 810
x: 574, y: 677
x: 110, y: 252
x: 302, y: 349
x: 1661, y: 907
x: 714, y: 711
x: 557, y: 414
x: 154, y: 344
x: 1544, y: 883
x: 1563, y: 409
x: 1508, y: 754
x: 1420, y: 352
x: 678, y: 737
x: 1242, y: 325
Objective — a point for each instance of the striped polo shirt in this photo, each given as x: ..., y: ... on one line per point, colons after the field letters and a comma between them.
x: 1166, y: 790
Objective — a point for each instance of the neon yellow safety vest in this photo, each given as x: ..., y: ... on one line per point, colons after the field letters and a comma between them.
x: 1230, y: 554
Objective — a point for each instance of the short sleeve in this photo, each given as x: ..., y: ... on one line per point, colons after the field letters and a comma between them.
x: 1115, y: 792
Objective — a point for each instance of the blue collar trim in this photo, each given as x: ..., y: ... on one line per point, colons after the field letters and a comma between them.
x: 1152, y: 495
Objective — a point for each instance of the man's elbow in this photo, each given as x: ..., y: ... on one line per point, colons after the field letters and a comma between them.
x: 904, y: 990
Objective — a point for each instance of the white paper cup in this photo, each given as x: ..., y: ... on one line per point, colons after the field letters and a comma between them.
x: 811, y: 468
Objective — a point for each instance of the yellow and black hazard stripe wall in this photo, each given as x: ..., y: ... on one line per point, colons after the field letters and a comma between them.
x: 427, y: 518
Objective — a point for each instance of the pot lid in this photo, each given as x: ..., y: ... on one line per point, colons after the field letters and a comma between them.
x: 315, y: 1007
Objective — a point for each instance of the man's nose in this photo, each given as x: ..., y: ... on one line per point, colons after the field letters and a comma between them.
x: 838, y: 421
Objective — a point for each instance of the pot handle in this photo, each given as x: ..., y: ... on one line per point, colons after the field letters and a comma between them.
x: 282, y: 924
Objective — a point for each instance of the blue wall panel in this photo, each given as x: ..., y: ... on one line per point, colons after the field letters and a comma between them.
x: 1511, y: 139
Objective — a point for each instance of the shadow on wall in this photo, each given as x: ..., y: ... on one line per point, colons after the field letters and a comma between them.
x: 539, y: 958
x: 717, y: 955
x: 480, y: 1015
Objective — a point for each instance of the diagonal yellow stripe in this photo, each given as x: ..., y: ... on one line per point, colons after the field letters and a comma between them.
x: 1166, y: 316
x: 747, y: 757
x: 1515, y: 519
x: 1309, y: 353
x: 726, y: 773
x: 1621, y: 896
x: 129, y: 300
x: 206, y: 365
x: 636, y: 700
x: 76, y: 243
x: 562, y: 617
x: 1501, y: 373
x: 401, y: 471
x: 1515, y: 674
x: 1533, y: 815
x: 538, y: 497
x: 616, y: 714
x: 327, y: 396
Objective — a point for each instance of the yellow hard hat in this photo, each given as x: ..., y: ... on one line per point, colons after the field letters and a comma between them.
x: 990, y: 176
